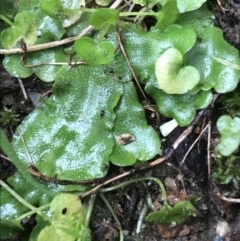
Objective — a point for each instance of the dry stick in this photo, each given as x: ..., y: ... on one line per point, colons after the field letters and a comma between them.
x: 218, y: 194
x: 156, y: 162
x: 22, y: 88
x: 55, y: 43
x: 129, y: 64
x: 220, y: 5
x: 5, y: 158
x: 46, y: 93
x: 47, y: 45
x: 62, y: 182
x: 191, y: 147
x: 232, y: 200
x: 208, y: 148
x: 56, y: 64
x: 25, y: 146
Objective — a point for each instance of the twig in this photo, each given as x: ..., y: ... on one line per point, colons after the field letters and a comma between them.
x: 46, y: 93
x: 191, y: 147
x: 22, y: 88
x: 47, y: 45
x: 5, y: 158
x: 62, y: 182
x: 218, y: 194
x: 208, y: 149
x: 26, y: 148
x: 55, y: 43
x: 129, y: 64
x: 232, y: 200
x: 220, y: 5
x: 55, y: 64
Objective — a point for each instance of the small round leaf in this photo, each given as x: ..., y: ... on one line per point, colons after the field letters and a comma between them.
x: 171, y: 77
x: 94, y: 54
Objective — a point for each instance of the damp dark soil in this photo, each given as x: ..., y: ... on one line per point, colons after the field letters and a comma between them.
x: 188, y: 180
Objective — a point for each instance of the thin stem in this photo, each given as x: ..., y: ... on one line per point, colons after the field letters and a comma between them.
x: 126, y: 14
x: 114, y: 215
x: 16, y: 195
x: 142, y: 215
x: 164, y: 195
x: 23, y: 201
x: 191, y: 147
x: 90, y: 207
x: 37, y: 210
x: 129, y: 64
x: 6, y: 20
x: 9, y: 150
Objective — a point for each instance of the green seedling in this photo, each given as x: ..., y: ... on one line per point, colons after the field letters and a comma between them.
x: 9, y: 117
x: 230, y: 135
x: 227, y: 171
x: 24, y: 27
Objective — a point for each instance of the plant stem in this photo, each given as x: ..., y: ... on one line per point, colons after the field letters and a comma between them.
x: 114, y: 215
x: 164, y: 195
x: 123, y: 14
x: 142, y: 215
x: 23, y: 201
x: 37, y: 210
x: 9, y: 150
x: 6, y: 20
x: 89, y: 210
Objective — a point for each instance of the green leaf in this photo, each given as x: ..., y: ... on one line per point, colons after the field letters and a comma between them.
x: 8, y: 8
x: 80, y: 137
x: 172, y: 77
x: 66, y: 209
x: 65, y: 206
x: 29, y: 180
x: 103, y: 16
x: 54, y: 233
x: 186, y: 5
x: 94, y: 54
x: 155, y: 43
x: 68, y: 12
x: 51, y: 7
x: 49, y: 29
x: 230, y: 135
x: 10, y: 208
x: 168, y: 15
x: 41, y: 224
x: 172, y: 215
x: 131, y: 120
x: 211, y: 44
x: 180, y: 107
x: 25, y: 27
x: 45, y: 71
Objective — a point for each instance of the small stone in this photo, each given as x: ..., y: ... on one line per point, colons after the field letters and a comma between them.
x: 170, y: 183
x: 223, y: 229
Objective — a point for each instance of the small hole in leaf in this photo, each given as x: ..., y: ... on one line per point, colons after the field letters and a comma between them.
x: 64, y: 210
x: 102, y: 113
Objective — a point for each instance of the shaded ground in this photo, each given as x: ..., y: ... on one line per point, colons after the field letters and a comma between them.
x: 127, y: 202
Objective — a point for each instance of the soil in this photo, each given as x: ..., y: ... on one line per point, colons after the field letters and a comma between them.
x: 127, y: 203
